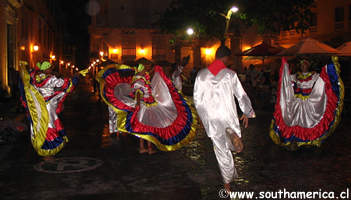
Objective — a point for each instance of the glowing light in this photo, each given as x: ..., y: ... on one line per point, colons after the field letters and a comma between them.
x: 72, y: 66
x: 62, y: 62
x: 115, y: 51
x: 208, y: 51
x: 286, y: 46
x: 190, y: 31
x: 234, y: 9
x: 77, y: 69
x: 35, y: 48
x: 246, y: 48
x: 142, y: 51
x: 68, y: 64
x: 23, y: 48
x: 53, y: 57
x: 94, y: 63
x: 101, y: 53
x: 97, y: 60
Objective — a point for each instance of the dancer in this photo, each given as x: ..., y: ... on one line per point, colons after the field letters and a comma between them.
x: 177, y: 75
x: 308, y: 105
x: 214, y: 96
x: 43, y: 94
x: 142, y: 93
x: 113, y: 117
x: 152, y: 110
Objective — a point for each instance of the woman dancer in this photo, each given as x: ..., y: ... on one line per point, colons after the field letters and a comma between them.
x: 43, y: 94
x: 308, y: 105
x: 152, y: 110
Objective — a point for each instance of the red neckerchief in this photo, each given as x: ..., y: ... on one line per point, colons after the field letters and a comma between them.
x: 216, y: 67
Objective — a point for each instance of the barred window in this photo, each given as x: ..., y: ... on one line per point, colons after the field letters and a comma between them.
x: 339, y: 14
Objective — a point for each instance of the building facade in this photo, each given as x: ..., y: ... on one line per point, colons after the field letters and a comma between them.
x: 124, y: 31
x: 8, y: 40
x: 331, y: 23
x: 28, y: 32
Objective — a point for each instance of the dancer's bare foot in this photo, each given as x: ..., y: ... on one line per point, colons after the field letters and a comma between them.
x: 48, y: 158
x: 142, y: 150
x: 151, y: 151
x: 227, y: 187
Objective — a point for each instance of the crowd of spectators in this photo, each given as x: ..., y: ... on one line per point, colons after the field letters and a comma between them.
x: 260, y: 82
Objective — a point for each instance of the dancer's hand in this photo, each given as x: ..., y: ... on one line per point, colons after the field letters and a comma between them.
x: 137, y: 99
x: 245, y: 120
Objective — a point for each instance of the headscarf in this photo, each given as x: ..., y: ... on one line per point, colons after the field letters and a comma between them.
x: 44, y: 65
x: 140, y: 68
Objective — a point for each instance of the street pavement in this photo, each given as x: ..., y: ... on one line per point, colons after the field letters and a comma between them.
x: 95, y: 165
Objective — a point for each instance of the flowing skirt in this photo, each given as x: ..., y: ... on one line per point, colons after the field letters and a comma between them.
x: 47, y: 133
x: 169, y: 123
x: 311, y: 119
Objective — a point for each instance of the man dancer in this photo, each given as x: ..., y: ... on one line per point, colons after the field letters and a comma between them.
x: 214, y: 91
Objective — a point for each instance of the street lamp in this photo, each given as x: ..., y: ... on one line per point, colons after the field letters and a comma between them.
x: 234, y: 9
x: 190, y: 31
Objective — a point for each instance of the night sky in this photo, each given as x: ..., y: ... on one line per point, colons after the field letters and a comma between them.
x: 76, y: 21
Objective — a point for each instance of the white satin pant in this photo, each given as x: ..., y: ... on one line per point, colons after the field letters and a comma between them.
x: 222, y: 147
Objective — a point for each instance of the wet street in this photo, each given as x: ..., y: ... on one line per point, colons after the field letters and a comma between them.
x: 95, y: 165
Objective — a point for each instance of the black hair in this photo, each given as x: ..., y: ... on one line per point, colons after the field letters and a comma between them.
x: 222, y: 51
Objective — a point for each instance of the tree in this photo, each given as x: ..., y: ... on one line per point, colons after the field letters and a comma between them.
x: 202, y: 15
x: 272, y: 16
x: 205, y: 16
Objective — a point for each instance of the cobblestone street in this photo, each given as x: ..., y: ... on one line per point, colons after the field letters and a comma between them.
x: 115, y: 169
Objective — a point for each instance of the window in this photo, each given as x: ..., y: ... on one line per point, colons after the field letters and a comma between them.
x: 314, y: 19
x: 313, y: 27
x: 159, y: 46
x: 339, y: 14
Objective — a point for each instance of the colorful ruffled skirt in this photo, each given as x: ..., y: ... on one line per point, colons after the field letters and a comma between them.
x: 169, y: 123
x: 47, y: 133
x: 309, y: 117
